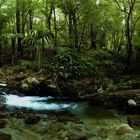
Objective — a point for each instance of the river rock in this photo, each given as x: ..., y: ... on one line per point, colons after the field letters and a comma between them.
x: 131, y: 102
x: 2, y: 123
x: 29, y: 82
x: 134, y: 120
x: 32, y: 119
x: 4, y: 136
x: 2, y: 106
x: 2, y: 116
x: 65, y: 118
x: 78, y: 137
x: 123, y: 129
x: 54, y: 128
x: 24, y: 86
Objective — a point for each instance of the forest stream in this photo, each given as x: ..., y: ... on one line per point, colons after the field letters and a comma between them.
x: 40, y: 118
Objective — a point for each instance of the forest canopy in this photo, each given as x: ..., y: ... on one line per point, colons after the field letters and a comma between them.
x: 35, y: 28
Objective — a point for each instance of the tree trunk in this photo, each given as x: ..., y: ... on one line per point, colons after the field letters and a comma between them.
x: 55, y: 31
x: 31, y: 19
x: 18, y: 28
x: 13, y: 44
x: 75, y: 32
x: 49, y: 16
x: 129, y: 43
x: 93, y: 44
x: 70, y: 28
x: 23, y: 23
x: 0, y: 52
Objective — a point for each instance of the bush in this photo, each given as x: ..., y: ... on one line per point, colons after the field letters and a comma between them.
x: 22, y: 65
x: 68, y: 64
x: 104, y: 62
x: 26, y: 64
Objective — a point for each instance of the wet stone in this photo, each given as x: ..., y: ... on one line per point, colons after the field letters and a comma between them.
x: 2, y: 116
x: 4, y: 136
x: 32, y: 119
x: 2, y: 106
x: 123, y: 129
x: 65, y: 118
x: 134, y: 120
x: 78, y: 137
x: 2, y: 123
x: 52, y: 129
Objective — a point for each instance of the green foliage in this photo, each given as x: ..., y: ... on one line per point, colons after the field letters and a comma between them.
x: 25, y: 64
x: 68, y: 64
x: 104, y: 62
x: 21, y: 66
x: 100, y: 54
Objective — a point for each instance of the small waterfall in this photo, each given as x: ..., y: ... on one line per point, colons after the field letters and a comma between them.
x: 35, y: 103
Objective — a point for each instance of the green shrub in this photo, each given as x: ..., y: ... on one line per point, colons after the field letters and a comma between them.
x: 26, y: 64
x: 68, y: 64
x: 104, y: 62
x: 22, y: 65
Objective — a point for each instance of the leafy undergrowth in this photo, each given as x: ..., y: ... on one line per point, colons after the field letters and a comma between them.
x: 94, y: 71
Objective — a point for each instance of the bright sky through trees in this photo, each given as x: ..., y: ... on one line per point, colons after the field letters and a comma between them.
x: 97, y: 2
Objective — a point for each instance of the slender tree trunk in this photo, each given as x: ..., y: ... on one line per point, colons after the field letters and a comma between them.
x: 23, y: 23
x: 70, y: 28
x: 75, y: 32
x: 31, y: 29
x: 55, y: 31
x: 49, y: 16
x: 0, y: 49
x: 13, y: 44
x: 93, y: 44
x: 18, y: 28
x: 31, y: 19
x: 129, y: 43
x: 120, y: 42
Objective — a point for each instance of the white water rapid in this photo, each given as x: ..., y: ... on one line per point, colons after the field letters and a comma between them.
x: 35, y: 103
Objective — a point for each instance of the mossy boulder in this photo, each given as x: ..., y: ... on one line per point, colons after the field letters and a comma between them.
x: 29, y: 82
x: 123, y: 129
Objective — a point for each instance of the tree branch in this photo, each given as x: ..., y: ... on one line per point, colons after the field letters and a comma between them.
x: 119, y: 6
x: 134, y: 25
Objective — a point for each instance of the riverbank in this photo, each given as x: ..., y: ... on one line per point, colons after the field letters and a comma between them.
x: 116, y: 92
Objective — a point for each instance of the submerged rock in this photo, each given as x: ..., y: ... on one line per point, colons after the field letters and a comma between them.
x: 2, y: 123
x: 134, y: 120
x: 78, y: 137
x: 2, y: 106
x: 54, y: 128
x: 123, y: 129
x: 4, y: 136
x: 64, y: 118
x: 32, y: 119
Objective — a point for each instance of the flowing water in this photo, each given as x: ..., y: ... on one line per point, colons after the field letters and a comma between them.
x: 35, y: 103
x: 87, y: 121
